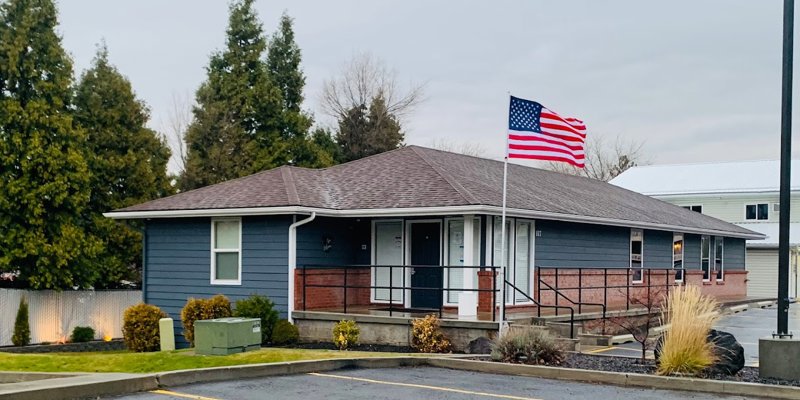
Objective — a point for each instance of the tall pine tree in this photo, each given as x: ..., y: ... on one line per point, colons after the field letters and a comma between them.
x: 44, y: 179
x: 128, y: 164
x: 237, y: 126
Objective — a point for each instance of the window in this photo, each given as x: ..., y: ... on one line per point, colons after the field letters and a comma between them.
x: 636, y: 254
x: 677, y: 256
x: 718, y: 252
x: 697, y: 208
x: 756, y: 211
x: 519, y: 256
x: 455, y: 256
x: 226, y: 255
x: 705, y: 256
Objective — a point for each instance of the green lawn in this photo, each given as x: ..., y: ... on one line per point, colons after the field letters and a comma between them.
x: 123, y: 361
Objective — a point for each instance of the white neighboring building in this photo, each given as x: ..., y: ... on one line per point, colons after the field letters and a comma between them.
x: 742, y: 192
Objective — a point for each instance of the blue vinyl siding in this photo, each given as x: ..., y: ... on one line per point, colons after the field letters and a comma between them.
x: 733, y: 255
x: 657, y: 252
x: 566, y: 244
x: 178, y: 264
x: 347, y: 234
x: 691, y: 251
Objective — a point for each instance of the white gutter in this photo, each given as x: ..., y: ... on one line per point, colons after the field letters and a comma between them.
x: 293, y: 261
x: 427, y: 211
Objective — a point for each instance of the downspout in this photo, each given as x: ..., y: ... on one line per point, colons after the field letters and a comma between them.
x: 293, y: 262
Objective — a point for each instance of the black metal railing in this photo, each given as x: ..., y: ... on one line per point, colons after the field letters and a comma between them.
x: 345, y: 286
x: 539, y: 306
x: 626, y: 274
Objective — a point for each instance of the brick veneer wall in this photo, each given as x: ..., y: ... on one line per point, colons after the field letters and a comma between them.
x: 616, y: 296
x: 321, y: 297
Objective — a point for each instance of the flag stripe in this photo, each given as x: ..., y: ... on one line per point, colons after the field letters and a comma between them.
x: 575, y: 123
x: 536, y: 140
x: 554, y: 136
x: 548, y: 127
x: 548, y: 158
x: 534, y: 149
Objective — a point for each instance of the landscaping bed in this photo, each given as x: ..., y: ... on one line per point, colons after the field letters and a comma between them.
x: 635, y: 365
x: 96, y: 345
x: 383, y: 348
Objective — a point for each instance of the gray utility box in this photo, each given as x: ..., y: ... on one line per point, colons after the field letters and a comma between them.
x: 223, y: 336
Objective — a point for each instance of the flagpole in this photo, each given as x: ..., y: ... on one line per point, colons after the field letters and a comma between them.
x: 502, y: 275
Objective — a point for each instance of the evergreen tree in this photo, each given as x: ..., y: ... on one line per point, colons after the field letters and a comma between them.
x: 364, y: 132
x: 236, y: 129
x: 44, y: 179
x: 22, y: 327
x: 128, y: 164
x: 283, y: 63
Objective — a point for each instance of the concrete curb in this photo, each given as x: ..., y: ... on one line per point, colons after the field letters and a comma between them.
x: 622, y: 379
x: 116, y: 384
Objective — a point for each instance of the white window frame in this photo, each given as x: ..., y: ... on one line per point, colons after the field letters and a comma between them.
x: 373, y: 261
x: 721, y: 259
x: 630, y: 256
x: 683, y: 256
x: 769, y: 206
x: 689, y: 207
x: 214, y: 251
x: 710, y: 256
x: 446, y: 255
x: 511, y: 270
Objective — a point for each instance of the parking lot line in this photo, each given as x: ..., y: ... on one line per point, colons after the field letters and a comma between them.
x: 182, y: 395
x: 413, y: 385
x: 602, y: 349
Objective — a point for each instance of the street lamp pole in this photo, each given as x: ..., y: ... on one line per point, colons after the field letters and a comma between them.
x: 786, y: 168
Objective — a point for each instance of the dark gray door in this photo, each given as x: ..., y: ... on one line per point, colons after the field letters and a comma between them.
x: 425, y: 250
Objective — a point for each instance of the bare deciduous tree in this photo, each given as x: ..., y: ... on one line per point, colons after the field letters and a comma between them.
x: 466, y: 148
x: 605, y: 160
x: 179, y: 116
x: 363, y: 79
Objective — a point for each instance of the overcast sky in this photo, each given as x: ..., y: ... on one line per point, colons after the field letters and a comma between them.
x: 697, y: 81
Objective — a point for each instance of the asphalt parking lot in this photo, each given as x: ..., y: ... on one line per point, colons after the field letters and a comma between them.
x: 409, y: 383
x: 747, y: 326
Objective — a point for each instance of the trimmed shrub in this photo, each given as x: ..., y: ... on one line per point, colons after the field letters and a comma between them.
x: 528, y: 346
x: 686, y: 349
x: 198, y: 309
x: 260, y: 307
x: 140, y: 327
x: 285, y: 333
x: 22, y: 328
x: 427, y: 335
x: 82, y: 334
x: 345, y: 334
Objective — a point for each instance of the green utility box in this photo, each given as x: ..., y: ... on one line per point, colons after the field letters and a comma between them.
x: 224, y: 336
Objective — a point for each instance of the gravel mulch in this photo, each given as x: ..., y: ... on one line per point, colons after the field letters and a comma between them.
x: 635, y: 365
x: 358, y: 347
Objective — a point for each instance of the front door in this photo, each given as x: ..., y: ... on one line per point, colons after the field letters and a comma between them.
x: 426, y: 250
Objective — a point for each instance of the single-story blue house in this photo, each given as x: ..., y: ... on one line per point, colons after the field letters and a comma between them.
x: 397, y: 220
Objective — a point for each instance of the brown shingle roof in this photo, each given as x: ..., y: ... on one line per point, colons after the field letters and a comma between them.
x: 413, y: 177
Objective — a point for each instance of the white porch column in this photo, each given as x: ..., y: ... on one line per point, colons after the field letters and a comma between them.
x: 468, y: 301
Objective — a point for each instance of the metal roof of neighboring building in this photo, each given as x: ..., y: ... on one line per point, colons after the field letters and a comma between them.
x: 706, y: 178
x: 419, y: 179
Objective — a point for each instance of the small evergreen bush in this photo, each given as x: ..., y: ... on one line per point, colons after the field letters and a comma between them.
x: 260, y: 307
x: 427, y: 335
x: 82, y: 334
x: 345, y: 334
x: 528, y: 346
x: 285, y: 333
x: 22, y: 328
x: 140, y: 327
x: 199, y: 309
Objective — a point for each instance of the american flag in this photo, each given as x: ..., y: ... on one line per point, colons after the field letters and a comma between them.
x: 540, y: 134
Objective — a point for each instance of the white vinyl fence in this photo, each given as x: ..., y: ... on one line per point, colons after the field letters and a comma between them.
x: 53, y: 315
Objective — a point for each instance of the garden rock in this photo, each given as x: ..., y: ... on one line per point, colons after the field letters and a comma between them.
x: 481, y: 345
x: 730, y: 353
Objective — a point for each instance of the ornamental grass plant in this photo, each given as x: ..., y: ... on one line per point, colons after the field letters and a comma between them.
x: 686, y: 349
